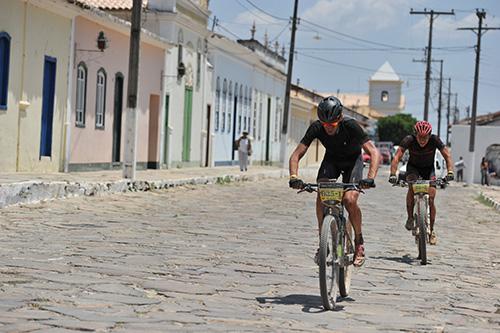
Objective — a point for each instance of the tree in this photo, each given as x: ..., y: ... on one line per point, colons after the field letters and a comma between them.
x: 395, y: 128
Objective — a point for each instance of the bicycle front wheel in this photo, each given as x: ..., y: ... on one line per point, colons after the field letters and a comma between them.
x: 345, y: 272
x: 422, y: 230
x: 328, y: 263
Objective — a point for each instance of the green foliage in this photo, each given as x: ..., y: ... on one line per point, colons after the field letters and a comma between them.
x: 395, y: 128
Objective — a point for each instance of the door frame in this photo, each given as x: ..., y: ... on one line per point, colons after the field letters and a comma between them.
x: 188, y: 115
x: 48, y: 100
x: 268, y: 129
x: 207, y: 148
x: 117, y: 119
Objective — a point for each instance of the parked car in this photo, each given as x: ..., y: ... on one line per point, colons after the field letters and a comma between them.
x: 385, y: 155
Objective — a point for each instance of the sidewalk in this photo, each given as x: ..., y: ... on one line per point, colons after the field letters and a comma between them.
x: 491, y: 194
x: 17, y: 188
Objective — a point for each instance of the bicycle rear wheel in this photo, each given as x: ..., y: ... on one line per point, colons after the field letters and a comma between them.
x: 422, y: 231
x: 328, y: 263
x: 345, y: 272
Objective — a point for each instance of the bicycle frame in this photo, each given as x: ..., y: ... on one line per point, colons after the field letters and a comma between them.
x: 421, y: 208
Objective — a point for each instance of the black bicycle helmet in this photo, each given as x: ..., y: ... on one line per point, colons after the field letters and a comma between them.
x: 330, y: 109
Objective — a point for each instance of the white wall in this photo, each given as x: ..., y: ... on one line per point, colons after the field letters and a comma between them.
x: 390, y: 107
x: 485, y: 136
x: 231, y: 68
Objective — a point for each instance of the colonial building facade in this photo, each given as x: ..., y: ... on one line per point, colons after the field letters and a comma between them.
x: 34, y: 60
x: 249, y: 88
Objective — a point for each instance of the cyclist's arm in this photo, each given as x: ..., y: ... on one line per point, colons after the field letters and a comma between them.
x: 371, y: 150
x: 295, y: 158
x: 447, y: 157
x: 395, y: 161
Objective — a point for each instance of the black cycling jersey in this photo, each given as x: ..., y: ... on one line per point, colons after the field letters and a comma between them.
x: 342, y: 148
x: 422, y: 157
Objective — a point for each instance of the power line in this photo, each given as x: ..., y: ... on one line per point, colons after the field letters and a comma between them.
x: 371, y: 70
x: 265, y: 12
x: 432, y: 13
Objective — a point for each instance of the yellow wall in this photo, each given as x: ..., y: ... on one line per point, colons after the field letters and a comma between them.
x: 46, y: 34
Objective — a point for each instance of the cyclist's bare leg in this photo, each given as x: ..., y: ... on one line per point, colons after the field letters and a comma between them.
x: 432, y: 206
x: 319, y: 214
x: 351, y: 204
x: 409, y: 202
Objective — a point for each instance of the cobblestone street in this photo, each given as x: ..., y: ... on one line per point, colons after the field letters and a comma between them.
x: 238, y: 258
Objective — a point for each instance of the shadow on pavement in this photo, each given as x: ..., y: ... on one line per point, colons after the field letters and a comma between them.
x: 406, y: 259
x: 310, y: 303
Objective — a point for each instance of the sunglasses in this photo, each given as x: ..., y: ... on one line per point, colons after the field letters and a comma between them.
x: 330, y: 125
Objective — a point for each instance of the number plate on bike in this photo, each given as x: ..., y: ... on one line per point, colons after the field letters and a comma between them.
x: 420, y: 188
x: 330, y: 195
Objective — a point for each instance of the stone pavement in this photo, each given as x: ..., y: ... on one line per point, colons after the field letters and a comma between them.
x: 237, y: 257
x: 18, y: 188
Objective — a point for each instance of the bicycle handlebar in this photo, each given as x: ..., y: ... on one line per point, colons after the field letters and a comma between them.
x: 312, y: 187
x: 438, y: 182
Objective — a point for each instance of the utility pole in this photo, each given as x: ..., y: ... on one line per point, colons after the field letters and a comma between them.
x: 286, y: 111
x: 440, y: 90
x: 129, y: 165
x: 448, y: 114
x: 432, y: 13
x: 440, y: 97
x: 456, y: 113
x: 214, y: 23
x: 479, y: 31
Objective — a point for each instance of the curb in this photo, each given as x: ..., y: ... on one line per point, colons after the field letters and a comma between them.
x: 37, y: 191
x: 490, y: 201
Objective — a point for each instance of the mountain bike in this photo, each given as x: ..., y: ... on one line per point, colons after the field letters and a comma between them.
x: 421, y: 229
x: 336, y: 246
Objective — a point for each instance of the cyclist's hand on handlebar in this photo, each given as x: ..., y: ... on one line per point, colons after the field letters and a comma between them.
x: 450, y: 176
x: 367, y: 183
x: 393, y: 179
x: 296, y: 183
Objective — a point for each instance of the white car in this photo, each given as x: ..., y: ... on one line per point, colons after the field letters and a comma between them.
x: 439, y: 166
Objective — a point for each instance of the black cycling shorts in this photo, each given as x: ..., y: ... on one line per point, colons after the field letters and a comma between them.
x: 414, y: 173
x: 350, y: 173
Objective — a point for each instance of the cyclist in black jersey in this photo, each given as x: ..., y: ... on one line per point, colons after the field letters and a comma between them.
x: 343, y: 139
x: 422, y: 148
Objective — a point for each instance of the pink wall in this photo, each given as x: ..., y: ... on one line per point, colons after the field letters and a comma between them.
x: 91, y: 145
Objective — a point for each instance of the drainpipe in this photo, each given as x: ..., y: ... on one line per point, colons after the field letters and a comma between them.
x: 203, y: 110
x: 69, y: 100
x: 163, y: 131
x: 21, y: 89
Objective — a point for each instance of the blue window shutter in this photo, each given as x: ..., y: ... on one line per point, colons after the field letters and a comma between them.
x: 4, y: 69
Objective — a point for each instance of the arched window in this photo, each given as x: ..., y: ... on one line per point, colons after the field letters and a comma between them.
x: 81, y: 94
x: 180, y: 42
x: 100, y: 99
x: 230, y: 106
x: 217, y: 104
x: 254, y: 118
x: 4, y: 68
x: 198, y: 64
x: 384, y: 96
x: 239, y: 98
x: 224, y: 103
x: 242, y: 111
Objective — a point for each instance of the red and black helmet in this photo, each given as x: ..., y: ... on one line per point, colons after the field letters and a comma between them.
x: 423, y: 128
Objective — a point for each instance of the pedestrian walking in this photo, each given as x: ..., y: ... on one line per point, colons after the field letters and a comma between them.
x: 459, y: 168
x: 484, y: 172
x: 244, y: 146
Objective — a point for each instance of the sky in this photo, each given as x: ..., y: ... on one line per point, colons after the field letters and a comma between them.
x: 341, y: 43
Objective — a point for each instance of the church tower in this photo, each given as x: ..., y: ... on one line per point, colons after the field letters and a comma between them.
x: 385, y: 94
